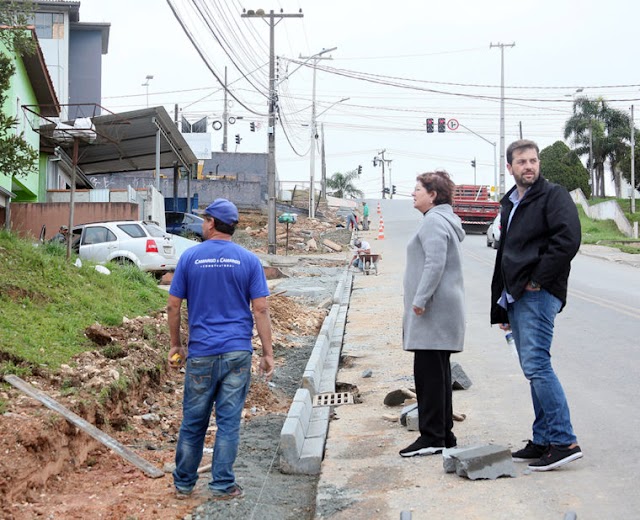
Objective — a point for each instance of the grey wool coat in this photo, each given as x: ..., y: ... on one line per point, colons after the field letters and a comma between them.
x: 433, y: 281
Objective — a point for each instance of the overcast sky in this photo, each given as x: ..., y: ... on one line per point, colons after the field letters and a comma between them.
x: 397, y: 62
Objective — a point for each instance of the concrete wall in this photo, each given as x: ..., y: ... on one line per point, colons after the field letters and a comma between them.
x: 85, y: 71
x: 246, y: 192
x: 56, y: 55
x: 27, y: 219
x: 608, y: 210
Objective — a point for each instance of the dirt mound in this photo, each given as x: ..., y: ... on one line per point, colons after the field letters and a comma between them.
x: 51, y: 469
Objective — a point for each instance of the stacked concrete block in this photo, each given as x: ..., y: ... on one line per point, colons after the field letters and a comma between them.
x: 312, y: 375
x: 303, y: 436
x: 481, y: 462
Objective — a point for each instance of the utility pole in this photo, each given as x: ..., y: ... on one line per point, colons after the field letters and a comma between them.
x: 271, y: 131
x: 314, y: 130
x: 323, y: 166
x: 380, y: 159
x: 633, y: 164
x: 502, y: 158
x: 225, y: 114
x: 592, y: 171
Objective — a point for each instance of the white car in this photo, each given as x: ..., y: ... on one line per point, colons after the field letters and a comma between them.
x: 143, y: 244
x: 493, y: 233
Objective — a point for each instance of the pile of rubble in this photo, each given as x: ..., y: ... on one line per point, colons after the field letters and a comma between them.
x: 323, y: 235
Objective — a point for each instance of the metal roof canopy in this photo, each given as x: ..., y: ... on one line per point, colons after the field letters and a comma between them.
x: 127, y: 142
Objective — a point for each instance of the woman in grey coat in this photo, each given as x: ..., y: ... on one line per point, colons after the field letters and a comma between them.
x: 433, y: 322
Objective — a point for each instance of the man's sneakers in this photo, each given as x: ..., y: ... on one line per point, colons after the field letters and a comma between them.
x: 531, y: 451
x: 419, y: 447
x: 555, y: 457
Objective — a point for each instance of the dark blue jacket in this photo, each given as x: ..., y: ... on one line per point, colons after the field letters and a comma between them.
x: 539, y: 245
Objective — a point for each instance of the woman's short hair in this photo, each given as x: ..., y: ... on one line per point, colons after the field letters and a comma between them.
x: 440, y: 182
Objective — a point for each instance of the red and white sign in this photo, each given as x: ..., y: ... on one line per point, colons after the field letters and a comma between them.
x: 453, y: 124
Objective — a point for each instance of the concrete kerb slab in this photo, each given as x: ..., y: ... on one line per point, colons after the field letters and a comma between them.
x: 610, y: 254
x: 305, y: 429
x: 303, y: 436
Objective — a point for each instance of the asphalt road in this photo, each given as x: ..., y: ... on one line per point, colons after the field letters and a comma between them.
x: 595, y: 355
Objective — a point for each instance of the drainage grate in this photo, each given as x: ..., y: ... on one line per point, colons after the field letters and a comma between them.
x: 333, y: 399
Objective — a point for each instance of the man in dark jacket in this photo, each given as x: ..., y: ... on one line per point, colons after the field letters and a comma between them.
x: 540, y: 236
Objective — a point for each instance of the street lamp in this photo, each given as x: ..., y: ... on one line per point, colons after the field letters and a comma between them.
x: 495, y: 163
x: 146, y: 84
x: 314, y: 133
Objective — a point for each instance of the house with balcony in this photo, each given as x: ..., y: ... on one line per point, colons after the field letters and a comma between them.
x: 29, y: 85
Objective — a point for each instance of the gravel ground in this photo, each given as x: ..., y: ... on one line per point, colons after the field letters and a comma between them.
x: 270, y: 494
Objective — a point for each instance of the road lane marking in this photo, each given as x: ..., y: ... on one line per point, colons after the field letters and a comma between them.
x: 627, y: 310
x: 622, y: 308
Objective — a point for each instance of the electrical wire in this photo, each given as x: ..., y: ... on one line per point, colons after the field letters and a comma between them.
x: 200, y: 52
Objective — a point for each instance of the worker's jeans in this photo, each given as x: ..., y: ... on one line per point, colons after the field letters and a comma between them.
x: 222, y: 379
x: 532, y: 319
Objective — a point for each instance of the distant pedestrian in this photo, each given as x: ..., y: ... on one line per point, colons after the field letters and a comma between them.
x: 226, y: 289
x: 365, y: 216
x: 351, y: 220
x: 433, y: 323
x: 61, y: 236
x: 539, y: 238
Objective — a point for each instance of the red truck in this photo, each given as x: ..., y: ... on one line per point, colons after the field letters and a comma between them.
x: 472, y: 203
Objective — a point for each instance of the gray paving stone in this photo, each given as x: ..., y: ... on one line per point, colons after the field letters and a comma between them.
x: 459, y: 379
x: 485, y: 462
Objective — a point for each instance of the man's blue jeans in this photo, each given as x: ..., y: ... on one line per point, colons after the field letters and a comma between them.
x: 223, y: 379
x: 532, y: 320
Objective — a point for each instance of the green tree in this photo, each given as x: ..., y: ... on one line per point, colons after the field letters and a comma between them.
x: 607, y: 128
x: 16, y: 156
x: 559, y: 164
x: 342, y: 185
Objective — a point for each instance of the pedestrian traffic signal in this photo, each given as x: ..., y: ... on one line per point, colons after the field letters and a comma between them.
x: 430, y: 125
x: 441, y: 124
x: 393, y: 189
x: 473, y: 163
x: 252, y: 126
x: 359, y: 169
x: 237, y: 138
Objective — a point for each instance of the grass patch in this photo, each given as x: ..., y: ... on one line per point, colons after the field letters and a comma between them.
x: 606, y: 233
x: 46, y: 303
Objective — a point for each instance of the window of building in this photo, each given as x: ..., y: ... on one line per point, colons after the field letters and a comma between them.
x: 49, y: 26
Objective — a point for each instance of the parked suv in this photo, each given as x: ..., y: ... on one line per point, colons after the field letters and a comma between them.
x: 141, y: 243
x: 187, y: 225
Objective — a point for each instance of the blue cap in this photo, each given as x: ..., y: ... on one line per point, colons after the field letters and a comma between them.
x: 223, y: 210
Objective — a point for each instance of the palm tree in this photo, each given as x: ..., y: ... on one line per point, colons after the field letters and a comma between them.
x: 342, y: 185
x: 608, y: 128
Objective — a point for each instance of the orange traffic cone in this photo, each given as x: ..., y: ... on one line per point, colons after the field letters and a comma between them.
x: 381, y: 232
x: 379, y: 210
x: 381, y: 222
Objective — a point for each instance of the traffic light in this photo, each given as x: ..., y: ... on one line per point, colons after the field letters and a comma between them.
x: 237, y: 138
x: 386, y: 190
x: 473, y: 163
x: 252, y: 126
x: 430, y: 125
x: 441, y: 124
x: 359, y: 169
x: 393, y: 189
